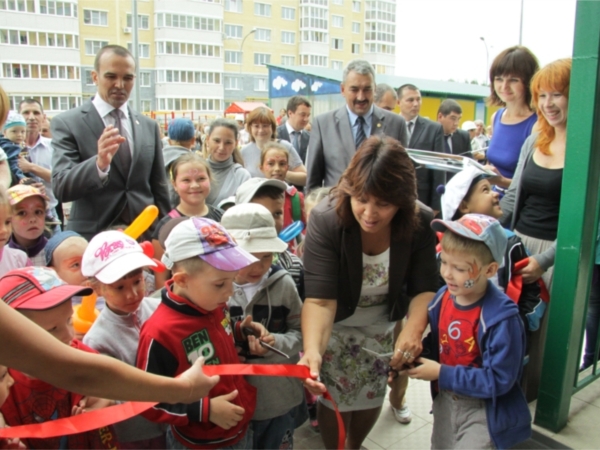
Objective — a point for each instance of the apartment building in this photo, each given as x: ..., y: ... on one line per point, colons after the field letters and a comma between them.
x: 39, y: 52
x: 195, y: 56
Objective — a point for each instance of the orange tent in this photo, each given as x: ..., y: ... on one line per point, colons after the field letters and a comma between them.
x: 244, y: 107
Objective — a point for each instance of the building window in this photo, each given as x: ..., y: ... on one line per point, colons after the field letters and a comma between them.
x: 337, y: 21
x: 337, y: 65
x: 232, y: 57
x: 143, y: 49
x: 189, y: 22
x: 189, y: 104
x: 88, y: 78
x: 146, y: 105
x: 260, y: 84
x: 234, y: 6
x: 233, y: 31
x: 145, y: 79
x: 356, y: 6
x: 92, y: 47
x: 98, y: 18
x: 288, y: 13
x: 314, y: 36
x: 233, y: 83
x: 314, y: 60
x: 288, y: 60
x: 261, y: 59
x: 262, y: 9
x: 18, y: 5
x: 355, y: 49
x: 262, y: 34
x: 188, y: 49
x: 188, y: 76
x: 356, y: 27
x: 288, y: 37
x: 143, y: 21
x: 338, y: 2
x: 55, y: 8
x: 337, y: 44
x: 42, y: 39
x: 39, y: 71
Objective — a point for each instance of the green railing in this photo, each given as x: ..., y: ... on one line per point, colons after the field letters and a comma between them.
x: 577, y: 227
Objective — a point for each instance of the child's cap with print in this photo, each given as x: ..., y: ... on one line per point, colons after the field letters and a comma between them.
x: 37, y: 288
x: 20, y: 192
x: 247, y: 190
x: 208, y: 240
x: 253, y: 228
x: 111, y: 255
x: 55, y: 241
x: 456, y: 189
x: 14, y: 119
x: 478, y: 227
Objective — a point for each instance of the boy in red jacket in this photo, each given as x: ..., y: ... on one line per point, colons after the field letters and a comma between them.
x: 193, y: 322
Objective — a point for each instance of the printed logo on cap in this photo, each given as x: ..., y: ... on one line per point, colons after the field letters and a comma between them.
x: 107, y: 249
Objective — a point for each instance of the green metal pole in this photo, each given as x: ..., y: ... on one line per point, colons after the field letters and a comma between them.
x: 577, y: 224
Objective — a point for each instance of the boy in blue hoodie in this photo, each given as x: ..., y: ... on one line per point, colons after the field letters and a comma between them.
x: 476, y: 344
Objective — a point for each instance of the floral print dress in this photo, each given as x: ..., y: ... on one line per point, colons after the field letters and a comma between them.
x: 356, y: 379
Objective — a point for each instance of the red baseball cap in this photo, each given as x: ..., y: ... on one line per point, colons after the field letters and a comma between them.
x: 37, y: 288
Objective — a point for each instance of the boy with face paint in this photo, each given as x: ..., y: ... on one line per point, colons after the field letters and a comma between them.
x: 476, y: 345
x: 470, y: 192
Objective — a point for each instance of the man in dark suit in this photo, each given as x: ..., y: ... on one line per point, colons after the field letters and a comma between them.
x: 337, y: 134
x: 298, y: 112
x: 108, y: 158
x: 424, y: 134
x: 457, y: 141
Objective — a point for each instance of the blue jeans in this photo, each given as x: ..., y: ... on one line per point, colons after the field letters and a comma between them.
x: 276, y: 433
x: 593, y: 320
x: 243, y: 444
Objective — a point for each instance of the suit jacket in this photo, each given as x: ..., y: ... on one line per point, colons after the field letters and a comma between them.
x: 282, y: 133
x: 428, y: 135
x: 332, y: 147
x: 461, y: 143
x: 98, y: 204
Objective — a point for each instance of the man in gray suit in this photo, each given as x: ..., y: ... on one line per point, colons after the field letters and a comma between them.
x: 424, y: 134
x: 298, y: 112
x: 337, y: 134
x: 108, y: 158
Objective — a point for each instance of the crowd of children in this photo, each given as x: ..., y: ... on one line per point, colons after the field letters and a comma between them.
x: 232, y: 285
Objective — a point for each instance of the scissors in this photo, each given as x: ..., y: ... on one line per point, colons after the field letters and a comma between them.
x: 387, y: 357
x: 251, y: 332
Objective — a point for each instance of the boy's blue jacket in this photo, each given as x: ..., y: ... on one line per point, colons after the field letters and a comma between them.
x: 501, y: 339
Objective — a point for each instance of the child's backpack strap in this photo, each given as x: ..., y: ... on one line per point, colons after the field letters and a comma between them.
x: 174, y: 214
x: 296, y: 209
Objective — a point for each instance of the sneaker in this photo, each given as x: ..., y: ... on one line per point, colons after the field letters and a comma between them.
x: 402, y: 415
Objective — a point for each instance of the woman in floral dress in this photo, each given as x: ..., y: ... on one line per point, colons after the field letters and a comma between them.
x: 369, y: 261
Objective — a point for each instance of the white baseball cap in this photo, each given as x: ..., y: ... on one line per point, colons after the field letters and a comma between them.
x: 456, y: 189
x: 110, y: 255
x: 247, y: 190
x: 253, y: 228
x: 469, y: 125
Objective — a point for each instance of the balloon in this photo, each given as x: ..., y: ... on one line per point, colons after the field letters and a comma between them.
x: 142, y: 222
x: 291, y: 231
x: 85, y: 314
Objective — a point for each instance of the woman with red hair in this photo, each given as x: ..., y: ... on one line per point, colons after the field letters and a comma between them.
x: 532, y: 202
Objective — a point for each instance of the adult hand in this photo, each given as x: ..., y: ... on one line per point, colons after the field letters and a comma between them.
x: 408, y: 347
x: 108, y: 145
x: 199, y: 383
x: 531, y: 272
x: 313, y: 361
x: 40, y: 187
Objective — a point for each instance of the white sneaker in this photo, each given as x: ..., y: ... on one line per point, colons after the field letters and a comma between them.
x: 402, y: 415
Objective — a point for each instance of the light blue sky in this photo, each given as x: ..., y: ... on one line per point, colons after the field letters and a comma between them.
x: 440, y: 39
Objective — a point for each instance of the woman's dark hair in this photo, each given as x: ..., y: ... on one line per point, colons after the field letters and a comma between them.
x: 517, y: 61
x: 380, y: 168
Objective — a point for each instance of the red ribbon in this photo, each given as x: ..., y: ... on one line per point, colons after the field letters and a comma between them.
x: 107, y: 416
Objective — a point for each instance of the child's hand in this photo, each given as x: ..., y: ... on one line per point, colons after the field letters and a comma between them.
x: 428, y: 370
x: 90, y: 404
x: 12, y: 442
x: 223, y: 413
x: 258, y: 328
x: 256, y: 348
